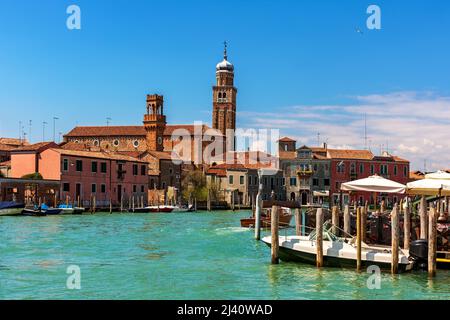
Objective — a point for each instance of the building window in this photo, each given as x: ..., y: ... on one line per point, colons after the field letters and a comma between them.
x: 340, y: 167
x: 315, y: 167
x: 94, y: 166
x: 135, y: 169
x: 405, y: 171
x: 315, y: 182
x: 66, y: 187
x: 352, y: 167
x: 326, y: 182
x: 395, y: 170
x: 142, y: 188
x: 136, y: 143
x: 372, y: 169
x: 293, y: 181
x: 143, y: 170
x: 249, y: 180
x: 93, y: 188
x: 361, y: 168
x: 241, y: 180
x: 103, y: 167
x: 103, y: 188
x: 170, y: 171
x: 283, y: 181
x: 79, y: 165
x: 152, y: 184
x: 383, y: 169
x: 230, y: 180
x: 134, y: 188
x: 96, y: 143
x: 65, y: 164
x: 163, y: 185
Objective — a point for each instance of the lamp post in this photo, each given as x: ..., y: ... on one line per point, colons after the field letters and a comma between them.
x: 54, y: 128
x: 43, y: 130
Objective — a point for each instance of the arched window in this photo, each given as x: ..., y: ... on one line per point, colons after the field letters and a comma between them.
x: 224, y: 95
x: 220, y: 95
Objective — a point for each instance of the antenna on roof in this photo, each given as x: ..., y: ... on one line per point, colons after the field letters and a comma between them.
x: 365, y: 131
x: 108, y: 120
x: 425, y: 166
x: 318, y: 139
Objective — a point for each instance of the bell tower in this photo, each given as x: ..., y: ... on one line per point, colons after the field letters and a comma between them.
x: 224, y: 96
x: 155, y: 122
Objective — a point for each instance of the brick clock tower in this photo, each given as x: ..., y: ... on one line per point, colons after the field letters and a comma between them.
x: 224, y: 96
x: 155, y: 122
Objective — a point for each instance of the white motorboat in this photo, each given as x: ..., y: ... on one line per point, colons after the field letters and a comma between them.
x: 337, y: 252
x: 11, y: 208
x: 69, y: 209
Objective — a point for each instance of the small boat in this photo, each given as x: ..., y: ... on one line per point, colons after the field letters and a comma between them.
x: 69, y: 209
x: 189, y: 208
x: 11, y: 208
x: 337, y: 252
x: 50, y: 211
x: 285, y: 219
x: 162, y: 208
x: 33, y: 212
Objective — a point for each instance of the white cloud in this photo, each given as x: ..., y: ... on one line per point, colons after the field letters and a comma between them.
x: 411, y: 125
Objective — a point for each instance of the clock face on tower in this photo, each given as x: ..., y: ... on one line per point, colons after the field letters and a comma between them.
x: 159, y: 140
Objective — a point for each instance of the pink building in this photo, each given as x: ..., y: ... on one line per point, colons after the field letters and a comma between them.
x: 84, y: 174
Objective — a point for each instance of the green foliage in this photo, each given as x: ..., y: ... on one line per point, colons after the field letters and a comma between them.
x: 194, y: 186
x: 34, y: 176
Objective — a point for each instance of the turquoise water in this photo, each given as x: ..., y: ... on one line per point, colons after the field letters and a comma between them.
x: 173, y: 256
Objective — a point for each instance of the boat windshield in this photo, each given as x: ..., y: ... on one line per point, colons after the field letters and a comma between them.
x: 327, y: 234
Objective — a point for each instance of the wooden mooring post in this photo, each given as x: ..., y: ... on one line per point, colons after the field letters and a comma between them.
x: 423, y: 218
x: 94, y: 204
x: 110, y: 205
x: 364, y: 224
x: 432, y: 243
x: 258, y: 209
x: 275, y: 246
x: 395, y: 239
x: 298, y: 222
x: 347, y: 220
x: 208, y: 201
x: 358, y: 239
x: 407, y: 225
x: 335, y: 220
x: 319, y: 237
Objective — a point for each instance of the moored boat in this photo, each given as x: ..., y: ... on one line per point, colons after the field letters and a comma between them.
x: 50, y: 211
x: 69, y: 209
x: 162, y: 208
x: 10, y: 208
x: 33, y: 212
x: 284, y: 219
x: 337, y: 252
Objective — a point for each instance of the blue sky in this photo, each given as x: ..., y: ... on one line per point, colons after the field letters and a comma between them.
x: 290, y: 57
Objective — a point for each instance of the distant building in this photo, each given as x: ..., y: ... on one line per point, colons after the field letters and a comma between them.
x: 84, y: 174
x: 315, y: 173
x: 238, y: 180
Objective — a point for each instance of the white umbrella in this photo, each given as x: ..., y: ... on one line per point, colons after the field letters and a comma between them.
x: 374, y: 184
x: 440, y: 175
x: 429, y: 187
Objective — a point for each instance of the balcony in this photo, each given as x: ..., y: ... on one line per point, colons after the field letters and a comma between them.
x: 305, y: 172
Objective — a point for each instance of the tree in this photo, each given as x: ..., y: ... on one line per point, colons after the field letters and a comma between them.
x: 194, y: 185
x: 33, y: 176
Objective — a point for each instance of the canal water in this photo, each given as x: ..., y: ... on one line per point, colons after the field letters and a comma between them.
x: 173, y: 256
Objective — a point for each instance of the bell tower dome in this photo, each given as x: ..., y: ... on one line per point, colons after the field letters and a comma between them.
x: 155, y: 122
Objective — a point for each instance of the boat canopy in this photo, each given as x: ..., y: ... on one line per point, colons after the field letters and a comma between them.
x: 374, y: 183
x: 439, y: 175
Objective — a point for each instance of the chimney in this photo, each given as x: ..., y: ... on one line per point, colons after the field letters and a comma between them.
x: 325, y: 146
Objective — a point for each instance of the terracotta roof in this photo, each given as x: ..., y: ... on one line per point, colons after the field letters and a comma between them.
x: 350, y: 154
x: 162, y: 155
x: 416, y: 175
x: 101, y: 131
x: 5, y: 147
x: 37, y: 147
x: 318, y: 149
x: 398, y: 159
x: 286, y: 139
x: 5, y: 163
x: 220, y: 172
x: 97, y: 155
x: 13, y: 141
